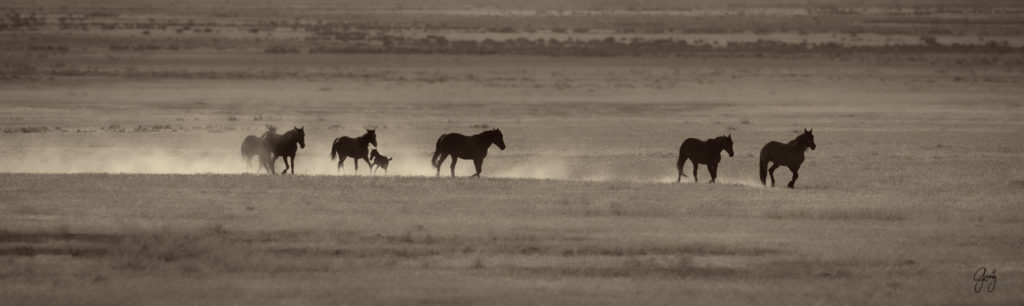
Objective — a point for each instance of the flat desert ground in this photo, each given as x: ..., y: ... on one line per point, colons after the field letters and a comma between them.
x: 121, y: 181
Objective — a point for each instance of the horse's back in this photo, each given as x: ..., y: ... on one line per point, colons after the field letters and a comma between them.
x: 278, y: 145
x: 772, y: 145
x: 349, y: 147
x: 345, y: 140
x: 694, y: 148
x: 451, y: 140
x: 251, y: 140
x: 691, y: 143
x: 781, y: 154
x: 251, y: 144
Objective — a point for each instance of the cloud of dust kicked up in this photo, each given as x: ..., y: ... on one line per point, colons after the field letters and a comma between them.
x: 315, y: 160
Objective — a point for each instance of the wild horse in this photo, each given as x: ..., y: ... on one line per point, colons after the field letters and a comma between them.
x: 253, y: 146
x: 379, y: 160
x: 703, y: 152
x: 356, y: 148
x: 283, y: 146
x: 789, y: 154
x: 466, y: 147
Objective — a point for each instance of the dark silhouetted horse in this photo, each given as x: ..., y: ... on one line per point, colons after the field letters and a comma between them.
x: 785, y: 154
x: 466, y: 147
x: 253, y: 146
x: 356, y: 148
x: 703, y: 152
x: 380, y: 161
x: 283, y: 146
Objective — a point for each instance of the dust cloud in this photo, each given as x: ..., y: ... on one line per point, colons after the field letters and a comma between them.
x: 314, y: 160
x: 47, y: 157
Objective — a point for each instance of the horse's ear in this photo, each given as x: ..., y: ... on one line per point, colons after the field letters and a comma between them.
x: 810, y: 131
x: 303, y: 127
x: 730, y: 136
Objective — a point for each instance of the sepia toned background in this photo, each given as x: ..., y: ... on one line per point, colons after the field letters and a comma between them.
x: 121, y: 180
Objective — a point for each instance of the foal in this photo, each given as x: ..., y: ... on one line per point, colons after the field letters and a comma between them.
x: 380, y: 161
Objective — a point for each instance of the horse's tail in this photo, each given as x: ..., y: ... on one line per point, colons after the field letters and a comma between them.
x: 437, y: 152
x: 334, y: 147
x: 681, y: 162
x: 763, y: 165
x: 248, y: 147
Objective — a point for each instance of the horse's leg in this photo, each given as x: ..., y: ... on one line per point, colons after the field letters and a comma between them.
x: 341, y: 162
x: 771, y: 172
x: 287, y: 164
x: 356, y: 162
x: 695, y: 166
x: 713, y: 170
x: 795, y: 175
x: 368, y: 164
x: 454, y: 159
x: 439, y: 162
x: 479, y: 163
x: 285, y: 160
x: 293, y: 164
x: 272, y: 163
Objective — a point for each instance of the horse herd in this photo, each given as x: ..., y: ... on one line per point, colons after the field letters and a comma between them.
x: 270, y: 146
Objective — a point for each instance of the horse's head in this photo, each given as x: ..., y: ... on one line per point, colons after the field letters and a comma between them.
x: 498, y: 139
x: 374, y: 153
x: 726, y: 142
x: 371, y: 137
x: 807, y: 139
x: 299, y: 134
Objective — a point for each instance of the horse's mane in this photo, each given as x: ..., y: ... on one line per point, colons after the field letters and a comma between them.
x: 799, y: 140
x: 717, y: 140
x: 489, y: 133
x: 290, y: 134
x: 365, y: 139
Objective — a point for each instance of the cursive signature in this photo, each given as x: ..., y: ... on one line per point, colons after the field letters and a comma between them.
x: 981, y: 277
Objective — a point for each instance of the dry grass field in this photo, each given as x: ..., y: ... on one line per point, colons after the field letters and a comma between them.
x: 121, y: 181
